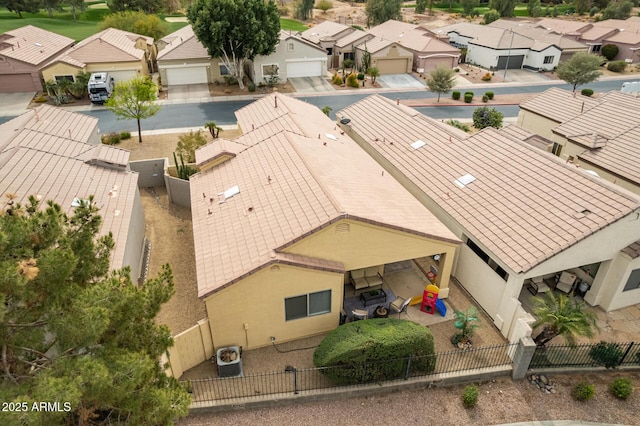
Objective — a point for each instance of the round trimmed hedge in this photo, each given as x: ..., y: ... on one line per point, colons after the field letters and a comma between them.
x: 375, y: 350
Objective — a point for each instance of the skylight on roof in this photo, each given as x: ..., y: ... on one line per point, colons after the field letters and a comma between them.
x: 418, y: 144
x: 465, y: 180
x: 234, y: 190
x: 330, y: 136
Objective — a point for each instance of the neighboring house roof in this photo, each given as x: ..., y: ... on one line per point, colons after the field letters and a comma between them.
x: 542, y: 36
x: 492, y: 37
x: 619, y: 156
x: 633, y: 250
x: 32, y: 45
x: 411, y: 36
x: 558, y: 105
x: 562, y: 26
x: 624, y: 37
x: 524, y: 205
x: 356, y: 37
x: 110, y: 45
x: 291, y: 183
x: 44, y: 152
x: 326, y: 30
x: 183, y: 44
x: 517, y: 132
x: 184, y: 33
x: 596, y: 33
x: 376, y: 44
x: 289, y: 35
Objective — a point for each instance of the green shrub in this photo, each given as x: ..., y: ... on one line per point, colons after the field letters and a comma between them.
x: 374, y: 350
x: 470, y: 396
x: 490, y: 16
x: 617, y: 66
x: 583, y: 391
x: 40, y: 99
x: 458, y: 125
x: 587, y: 92
x: 352, y: 80
x: 110, y: 138
x: 251, y: 87
x: 606, y: 354
x: 621, y: 388
x: 360, y: 76
x: 188, y: 143
x: 489, y: 95
x: 125, y: 135
x: 485, y: 98
x: 468, y: 97
x: 468, y: 93
x: 609, y: 51
x: 487, y: 117
x: 337, y: 80
x: 455, y: 95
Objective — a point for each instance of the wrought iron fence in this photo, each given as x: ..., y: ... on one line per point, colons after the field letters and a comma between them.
x: 295, y: 380
x: 603, y: 354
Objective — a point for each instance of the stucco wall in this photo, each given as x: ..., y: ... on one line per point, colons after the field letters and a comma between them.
x: 389, y: 52
x: 59, y: 69
x: 135, y: 238
x: 249, y: 312
x: 150, y: 172
x: 487, y: 57
x: 536, y: 123
x: 190, y: 348
x: 536, y: 59
x: 282, y: 54
x: 178, y: 191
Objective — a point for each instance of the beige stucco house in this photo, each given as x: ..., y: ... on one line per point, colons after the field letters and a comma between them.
x: 56, y: 155
x: 122, y: 54
x: 521, y: 212
x: 389, y: 57
x: 282, y: 215
x: 23, y: 52
x: 182, y: 59
x: 326, y: 35
x: 596, y: 134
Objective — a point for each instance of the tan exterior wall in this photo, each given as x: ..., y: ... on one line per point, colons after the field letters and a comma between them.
x: 190, y: 348
x: 163, y: 64
x: 133, y: 253
x: 630, y: 186
x: 389, y: 52
x: 367, y: 245
x: 612, y: 296
x: 59, y: 68
x: 537, y: 124
x: 140, y: 66
x: 249, y: 312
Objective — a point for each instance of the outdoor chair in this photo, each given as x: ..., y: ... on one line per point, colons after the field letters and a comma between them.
x: 359, y: 314
x: 565, y: 282
x: 537, y: 285
x: 399, y: 305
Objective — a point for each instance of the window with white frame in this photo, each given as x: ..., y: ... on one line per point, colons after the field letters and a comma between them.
x: 548, y: 59
x: 633, y: 282
x: 307, y: 305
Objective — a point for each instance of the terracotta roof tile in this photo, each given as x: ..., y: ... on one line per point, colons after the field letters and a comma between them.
x: 632, y: 250
x: 411, y: 36
x: 326, y: 30
x: 291, y: 183
x: 559, y: 105
x: 33, y: 45
x: 183, y: 44
x: 522, y: 199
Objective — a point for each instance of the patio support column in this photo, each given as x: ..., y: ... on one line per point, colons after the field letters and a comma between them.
x: 522, y: 357
x: 444, y: 273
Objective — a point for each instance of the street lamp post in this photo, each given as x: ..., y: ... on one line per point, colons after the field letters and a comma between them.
x: 506, y: 67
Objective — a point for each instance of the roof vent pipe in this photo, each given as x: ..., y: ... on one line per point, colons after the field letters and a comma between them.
x: 275, y: 100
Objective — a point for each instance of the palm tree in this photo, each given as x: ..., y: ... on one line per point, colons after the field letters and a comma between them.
x: 213, y: 128
x: 562, y: 316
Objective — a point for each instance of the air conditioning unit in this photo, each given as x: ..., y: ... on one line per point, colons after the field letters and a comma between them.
x: 229, y: 362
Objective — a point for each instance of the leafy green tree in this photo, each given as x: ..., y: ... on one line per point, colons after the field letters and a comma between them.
x: 324, y: 5
x: 581, y: 69
x: 136, y: 22
x: 581, y: 6
x: 373, y: 72
x: 487, y: 117
x: 441, y: 80
x: 236, y: 30
x: 326, y: 110
x: 50, y: 5
x: 75, y: 6
x: 148, y: 6
x: 188, y: 143
x: 78, y: 89
x: 534, y: 9
x: 504, y: 7
x: 561, y: 316
x: 379, y: 11
x: 617, y: 10
x: 71, y: 331
x: 303, y: 9
x: 609, y: 51
x: 490, y: 16
x: 468, y: 6
x: 466, y: 322
x: 134, y: 100
x: 19, y: 6
x: 421, y: 5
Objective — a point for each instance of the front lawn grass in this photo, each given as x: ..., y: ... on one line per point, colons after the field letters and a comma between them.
x: 292, y: 24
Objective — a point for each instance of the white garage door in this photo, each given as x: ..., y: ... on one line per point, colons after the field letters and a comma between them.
x: 191, y: 75
x: 304, y: 69
x: 122, y: 75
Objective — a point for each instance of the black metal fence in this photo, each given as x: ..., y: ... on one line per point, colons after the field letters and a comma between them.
x: 609, y: 355
x: 296, y: 380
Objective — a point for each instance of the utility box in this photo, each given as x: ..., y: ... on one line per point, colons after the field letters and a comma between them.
x: 229, y: 362
x: 100, y: 87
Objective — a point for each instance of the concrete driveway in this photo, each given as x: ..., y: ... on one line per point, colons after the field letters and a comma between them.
x: 188, y: 91
x: 12, y: 104
x: 523, y: 76
x: 400, y: 81
x: 311, y: 84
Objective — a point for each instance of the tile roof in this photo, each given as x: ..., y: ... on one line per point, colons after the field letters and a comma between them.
x: 376, y: 44
x: 632, y: 250
x: 562, y: 26
x: 558, y: 105
x: 326, y: 30
x: 411, y: 36
x: 624, y: 37
x: 32, y: 45
x: 496, y: 38
x: 356, y: 37
x: 524, y: 206
x: 595, y: 33
x: 183, y: 44
x: 37, y: 157
x: 291, y: 184
x: 542, y: 36
x: 110, y: 45
x: 517, y: 132
x: 619, y: 156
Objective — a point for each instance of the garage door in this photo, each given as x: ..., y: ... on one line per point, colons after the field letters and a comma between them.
x: 392, y: 66
x: 16, y: 83
x: 304, y: 69
x: 429, y: 64
x: 123, y: 75
x: 515, y: 62
x: 191, y: 75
